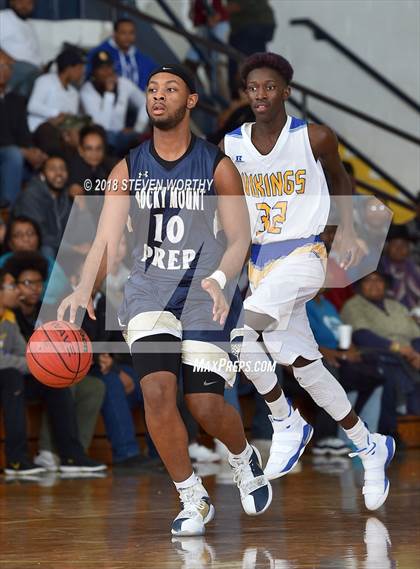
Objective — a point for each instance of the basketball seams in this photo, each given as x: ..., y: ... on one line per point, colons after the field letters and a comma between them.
x: 33, y: 355
x: 53, y: 358
x: 58, y: 353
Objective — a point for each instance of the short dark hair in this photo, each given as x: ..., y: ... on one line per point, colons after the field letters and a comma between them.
x: 21, y: 219
x: 3, y: 273
x: 26, y: 261
x: 92, y: 129
x: 53, y: 157
x: 120, y: 21
x: 270, y: 60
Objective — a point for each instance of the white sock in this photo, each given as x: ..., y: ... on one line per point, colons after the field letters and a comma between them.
x: 280, y: 408
x: 246, y: 453
x: 359, y: 435
x: 191, y: 481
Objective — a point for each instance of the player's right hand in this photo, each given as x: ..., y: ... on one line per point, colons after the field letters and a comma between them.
x: 220, y: 305
x: 76, y: 299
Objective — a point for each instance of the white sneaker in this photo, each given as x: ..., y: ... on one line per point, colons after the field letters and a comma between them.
x: 200, y: 453
x: 290, y: 438
x: 197, y: 510
x: 47, y: 460
x: 330, y: 445
x: 254, y: 487
x: 377, y: 455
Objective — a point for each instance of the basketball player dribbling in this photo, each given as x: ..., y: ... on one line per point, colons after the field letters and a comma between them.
x: 174, y: 310
x: 282, y: 161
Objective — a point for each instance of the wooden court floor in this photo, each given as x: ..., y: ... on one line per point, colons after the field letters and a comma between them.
x: 317, y: 520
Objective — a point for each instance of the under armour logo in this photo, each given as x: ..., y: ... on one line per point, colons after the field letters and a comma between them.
x: 238, y: 159
x: 144, y: 174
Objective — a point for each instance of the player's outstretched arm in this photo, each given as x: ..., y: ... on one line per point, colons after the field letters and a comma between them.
x: 233, y: 214
x: 105, y: 245
x: 324, y: 145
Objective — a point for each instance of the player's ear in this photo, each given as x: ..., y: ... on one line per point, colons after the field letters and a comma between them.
x: 286, y: 92
x: 192, y: 100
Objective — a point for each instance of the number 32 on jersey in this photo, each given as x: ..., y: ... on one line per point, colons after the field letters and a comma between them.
x: 271, y: 217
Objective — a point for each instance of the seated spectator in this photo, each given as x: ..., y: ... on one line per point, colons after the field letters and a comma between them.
x: 24, y: 234
x: 352, y: 369
x: 384, y: 328
x: 122, y: 388
x: 90, y: 163
x: 127, y: 59
x: 54, y: 97
x: 106, y: 98
x: 12, y: 399
x: 29, y: 271
x: 46, y: 201
x: 15, y: 139
x: 398, y: 263
x: 19, y: 40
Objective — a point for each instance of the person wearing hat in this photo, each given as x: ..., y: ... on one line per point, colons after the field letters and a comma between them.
x: 384, y: 328
x: 399, y: 264
x: 107, y: 97
x: 55, y: 95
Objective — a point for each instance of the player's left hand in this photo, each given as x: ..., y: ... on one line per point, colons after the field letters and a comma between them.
x: 220, y: 305
x: 350, y: 248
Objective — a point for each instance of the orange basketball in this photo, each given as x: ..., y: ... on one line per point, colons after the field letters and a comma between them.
x: 59, y: 354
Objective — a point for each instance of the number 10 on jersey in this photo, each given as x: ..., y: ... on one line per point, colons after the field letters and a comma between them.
x: 271, y: 217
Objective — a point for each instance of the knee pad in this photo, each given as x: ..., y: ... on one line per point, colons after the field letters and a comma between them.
x: 253, y: 360
x: 324, y: 389
x: 148, y: 358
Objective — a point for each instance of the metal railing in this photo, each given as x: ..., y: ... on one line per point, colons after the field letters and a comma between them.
x: 321, y: 34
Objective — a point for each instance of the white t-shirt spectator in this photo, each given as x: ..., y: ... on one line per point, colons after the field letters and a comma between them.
x: 49, y: 98
x: 18, y: 38
x: 110, y: 109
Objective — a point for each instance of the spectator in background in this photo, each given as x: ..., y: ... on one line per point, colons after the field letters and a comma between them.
x: 19, y: 40
x: 12, y: 398
x: 46, y: 201
x: 24, y: 234
x: 252, y: 26
x: 28, y: 270
x: 55, y: 95
x: 15, y: 139
x: 91, y: 162
x: 352, y: 369
x: 398, y: 263
x: 211, y: 21
x: 127, y: 59
x: 106, y: 98
x: 384, y: 328
x: 122, y: 388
